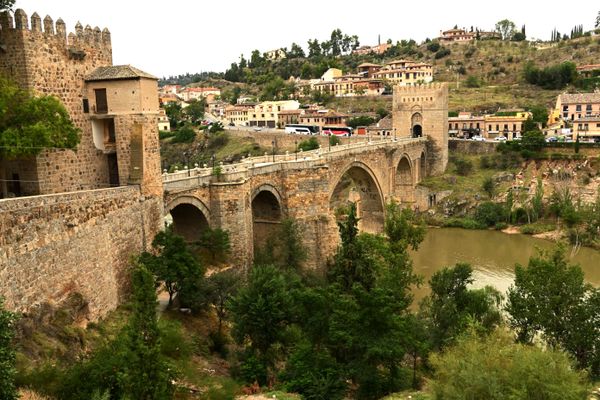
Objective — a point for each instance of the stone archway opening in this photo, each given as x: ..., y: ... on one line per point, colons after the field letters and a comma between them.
x: 417, y: 125
x: 404, y: 185
x: 267, y: 214
x: 417, y: 131
x: 357, y: 185
x: 188, y: 221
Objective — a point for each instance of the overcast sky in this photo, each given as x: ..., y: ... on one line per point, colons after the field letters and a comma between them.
x: 170, y: 37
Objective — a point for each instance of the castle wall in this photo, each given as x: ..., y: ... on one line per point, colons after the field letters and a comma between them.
x: 48, y: 62
x: 54, y: 245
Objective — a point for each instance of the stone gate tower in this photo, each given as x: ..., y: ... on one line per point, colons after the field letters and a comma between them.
x: 115, y: 108
x: 422, y: 110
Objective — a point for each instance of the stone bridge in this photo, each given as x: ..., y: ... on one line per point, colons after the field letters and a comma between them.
x: 249, y: 199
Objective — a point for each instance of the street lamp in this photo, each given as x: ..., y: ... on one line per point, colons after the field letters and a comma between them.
x: 213, y: 158
x: 329, y: 140
x: 394, y: 134
x: 273, y: 146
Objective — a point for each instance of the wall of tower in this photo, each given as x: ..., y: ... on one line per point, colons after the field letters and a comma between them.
x: 427, y: 106
x: 40, y: 56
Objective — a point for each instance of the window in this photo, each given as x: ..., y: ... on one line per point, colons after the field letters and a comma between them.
x: 578, y: 107
x: 101, y: 102
x: 86, y: 106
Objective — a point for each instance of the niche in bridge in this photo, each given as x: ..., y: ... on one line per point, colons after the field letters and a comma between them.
x: 404, y: 181
x: 188, y: 222
x: 266, y: 217
x: 358, y: 186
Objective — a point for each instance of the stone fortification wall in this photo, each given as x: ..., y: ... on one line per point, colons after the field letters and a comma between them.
x: 470, y: 147
x: 54, y: 245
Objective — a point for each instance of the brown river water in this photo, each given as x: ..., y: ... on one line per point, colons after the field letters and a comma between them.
x: 492, y: 255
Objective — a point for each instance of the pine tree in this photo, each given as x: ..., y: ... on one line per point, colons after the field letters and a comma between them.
x: 147, y: 374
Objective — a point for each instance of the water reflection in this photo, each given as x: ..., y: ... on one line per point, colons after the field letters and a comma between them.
x: 492, y: 255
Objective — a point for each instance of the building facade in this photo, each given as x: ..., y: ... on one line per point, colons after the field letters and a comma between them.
x: 578, y: 105
x: 508, y: 124
x: 456, y: 35
x: 266, y: 114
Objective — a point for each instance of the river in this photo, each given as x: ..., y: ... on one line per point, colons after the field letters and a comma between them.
x: 492, y: 255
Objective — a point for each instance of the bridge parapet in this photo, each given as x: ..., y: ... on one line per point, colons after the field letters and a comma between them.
x: 253, y: 166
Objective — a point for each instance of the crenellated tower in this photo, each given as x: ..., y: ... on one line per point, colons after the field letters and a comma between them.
x: 422, y: 111
x: 42, y: 56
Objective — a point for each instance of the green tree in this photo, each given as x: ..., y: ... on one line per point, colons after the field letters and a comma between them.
x: 452, y: 306
x: 363, y: 120
x: 195, y: 110
x: 506, y: 29
x: 6, y: 4
x: 184, y: 134
x: 147, y: 374
x: 550, y: 297
x: 496, y: 368
x: 8, y: 371
x: 29, y: 124
x: 296, y: 51
x: 597, y: 24
x: 221, y: 288
x: 533, y: 140
x: 489, y: 213
x: 174, y: 113
x: 216, y: 242
x: 173, y: 264
x: 260, y: 313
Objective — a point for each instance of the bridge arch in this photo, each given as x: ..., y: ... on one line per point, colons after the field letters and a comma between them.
x: 404, y: 179
x: 358, y: 184
x: 190, y: 217
x: 267, y: 213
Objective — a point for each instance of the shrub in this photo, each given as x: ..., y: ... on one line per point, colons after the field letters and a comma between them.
x: 488, y: 186
x: 443, y: 52
x: 463, y: 166
x: 334, y: 140
x: 465, y: 223
x: 185, y: 134
x: 494, y: 366
x: 309, y: 144
x: 165, y: 134
x: 472, y: 82
x: 489, y: 213
x: 433, y: 46
x: 217, y: 140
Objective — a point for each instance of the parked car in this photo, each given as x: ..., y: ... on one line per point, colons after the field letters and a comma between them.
x: 551, y: 139
x: 478, y: 138
x: 500, y: 138
x: 257, y: 129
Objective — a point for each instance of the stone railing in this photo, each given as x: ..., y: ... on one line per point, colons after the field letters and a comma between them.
x: 268, y: 163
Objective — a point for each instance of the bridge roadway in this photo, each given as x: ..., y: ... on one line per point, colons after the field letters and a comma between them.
x: 250, y: 198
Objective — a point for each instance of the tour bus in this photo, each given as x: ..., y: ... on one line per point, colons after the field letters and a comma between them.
x: 336, y: 130
x: 302, y: 129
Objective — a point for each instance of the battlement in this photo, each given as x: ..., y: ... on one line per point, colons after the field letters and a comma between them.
x: 425, y: 87
x: 82, y: 37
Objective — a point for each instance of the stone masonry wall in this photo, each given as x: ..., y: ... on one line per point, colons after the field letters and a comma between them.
x: 54, y: 245
x: 49, y: 62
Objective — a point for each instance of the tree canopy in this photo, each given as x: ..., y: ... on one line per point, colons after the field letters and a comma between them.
x: 506, y: 28
x: 6, y: 4
x: 29, y: 124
